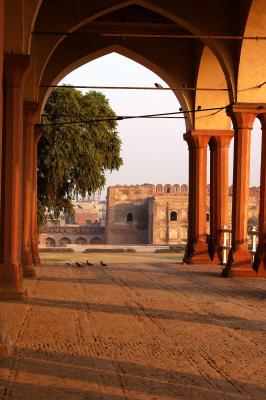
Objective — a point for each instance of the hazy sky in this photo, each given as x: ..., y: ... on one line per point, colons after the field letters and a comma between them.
x: 153, y: 151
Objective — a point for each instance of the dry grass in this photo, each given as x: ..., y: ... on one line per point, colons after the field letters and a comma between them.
x: 62, y: 258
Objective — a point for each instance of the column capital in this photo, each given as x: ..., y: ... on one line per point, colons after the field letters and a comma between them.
x: 197, y: 137
x: 30, y: 111
x: 15, y: 66
x: 244, y: 114
x: 223, y: 138
x: 188, y: 138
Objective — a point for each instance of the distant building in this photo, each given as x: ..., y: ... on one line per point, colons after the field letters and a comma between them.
x: 137, y: 214
x: 86, y: 226
x: 148, y: 214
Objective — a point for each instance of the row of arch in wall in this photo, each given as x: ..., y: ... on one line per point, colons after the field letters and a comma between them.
x: 168, y: 189
x: 51, y: 242
x: 174, y: 189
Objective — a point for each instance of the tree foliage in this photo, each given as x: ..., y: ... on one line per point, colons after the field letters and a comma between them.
x: 73, y: 158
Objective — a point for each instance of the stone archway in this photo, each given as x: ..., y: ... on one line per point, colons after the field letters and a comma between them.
x: 96, y: 240
x: 64, y: 241
x: 80, y: 240
x: 50, y: 242
x: 32, y: 58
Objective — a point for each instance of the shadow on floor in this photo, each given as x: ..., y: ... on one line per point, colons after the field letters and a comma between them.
x: 57, y: 376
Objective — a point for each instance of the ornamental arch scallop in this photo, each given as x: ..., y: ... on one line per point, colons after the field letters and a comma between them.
x: 189, y: 50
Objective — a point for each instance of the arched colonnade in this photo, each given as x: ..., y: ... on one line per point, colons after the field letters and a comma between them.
x: 42, y: 41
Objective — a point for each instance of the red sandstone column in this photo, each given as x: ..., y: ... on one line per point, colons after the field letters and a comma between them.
x: 34, y: 231
x: 30, y: 109
x: 239, y: 259
x: 191, y: 231
x: 1, y: 81
x: 213, y: 201
x: 11, y: 285
x: 199, y: 252
x: 260, y: 256
x: 5, y: 344
x: 220, y: 182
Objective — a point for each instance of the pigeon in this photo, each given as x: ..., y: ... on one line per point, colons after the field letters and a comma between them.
x: 78, y: 264
x: 103, y: 264
x: 88, y: 263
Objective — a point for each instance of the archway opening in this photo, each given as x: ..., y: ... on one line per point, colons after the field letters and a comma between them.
x: 130, y: 217
x: 64, y: 241
x: 173, y: 216
x: 254, y: 191
x: 80, y: 240
x: 49, y: 242
x: 145, y: 140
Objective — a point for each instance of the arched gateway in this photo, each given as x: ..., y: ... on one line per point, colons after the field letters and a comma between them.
x: 194, y: 51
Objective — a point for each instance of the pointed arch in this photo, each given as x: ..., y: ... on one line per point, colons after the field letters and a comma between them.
x: 43, y: 52
x: 56, y: 73
x: 253, y: 56
x: 210, y: 74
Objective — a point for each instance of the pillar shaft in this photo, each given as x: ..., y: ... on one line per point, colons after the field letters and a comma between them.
x: 11, y: 285
x: 219, y: 185
x: 260, y: 256
x: 198, y: 141
x: 197, y: 250
x: 1, y: 81
x: 213, y: 200
x: 5, y: 343
x: 34, y: 231
x: 239, y: 259
x: 30, y: 110
x: 191, y: 230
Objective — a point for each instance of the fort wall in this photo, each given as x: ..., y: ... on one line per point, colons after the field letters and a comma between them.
x: 142, y: 214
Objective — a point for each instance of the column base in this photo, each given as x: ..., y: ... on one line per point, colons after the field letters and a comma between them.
x: 214, y: 252
x: 259, y: 264
x: 28, y: 271
x: 197, y: 254
x: 239, y: 264
x: 188, y: 252
x: 8, y: 292
x: 6, y: 348
x: 26, y: 261
x: 11, y: 284
x: 239, y: 273
x: 36, y: 261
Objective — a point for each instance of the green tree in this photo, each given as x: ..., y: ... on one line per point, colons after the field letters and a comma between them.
x: 74, y: 157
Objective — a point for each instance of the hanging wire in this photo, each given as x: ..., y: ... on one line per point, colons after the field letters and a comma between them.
x: 126, y: 117
x: 184, y: 87
x: 135, y: 88
x: 252, y: 87
x: 148, y: 35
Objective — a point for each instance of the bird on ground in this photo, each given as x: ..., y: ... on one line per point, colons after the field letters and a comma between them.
x: 78, y: 264
x: 103, y: 264
x: 88, y: 263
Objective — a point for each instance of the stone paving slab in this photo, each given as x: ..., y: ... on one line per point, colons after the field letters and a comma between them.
x: 135, y: 332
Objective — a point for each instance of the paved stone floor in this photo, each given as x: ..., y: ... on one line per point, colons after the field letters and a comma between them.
x: 135, y: 332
